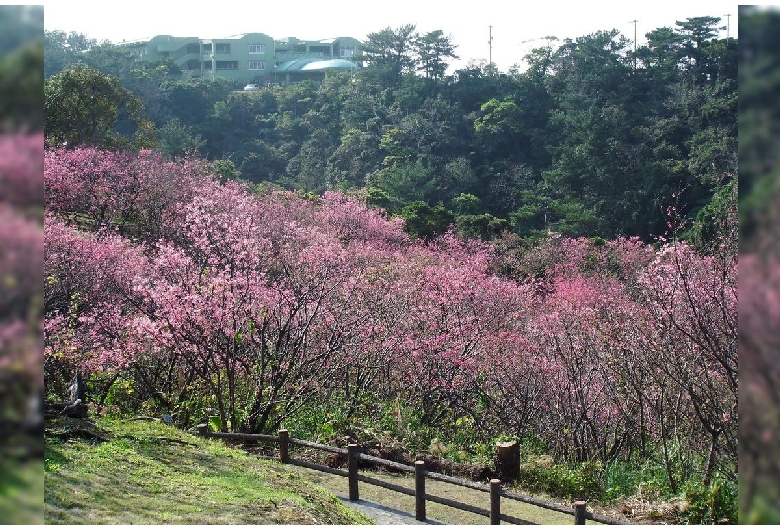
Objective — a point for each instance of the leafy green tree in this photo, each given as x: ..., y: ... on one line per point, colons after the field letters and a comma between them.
x: 482, y: 226
x: 711, y: 227
x: 190, y: 101
x: 377, y: 198
x: 459, y: 177
x: 407, y: 180
x: 759, y: 119
x: 261, y: 161
x: 176, y: 139
x: 306, y: 169
x: 19, y: 26
x: 84, y: 106
x: 354, y: 159
x: 225, y: 170
x: 21, y: 88
x: 467, y: 204
x: 145, y: 80
x: 499, y: 127
x: 112, y: 59
x: 425, y: 221
x: 233, y: 123
x: 432, y: 50
x: 61, y: 50
x: 662, y: 57
x: 389, y: 53
x: 697, y: 30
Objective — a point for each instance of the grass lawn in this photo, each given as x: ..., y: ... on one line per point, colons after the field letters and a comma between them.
x: 137, y: 472
x: 21, y: 492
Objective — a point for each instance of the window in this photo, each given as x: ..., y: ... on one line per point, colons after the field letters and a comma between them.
x: 207, y: 48
x: 346, y: 53
x: 227, y: 65
x: 193, y: 48
x: 257, y: 48
x: 222, y: 48
x: 257, y: 65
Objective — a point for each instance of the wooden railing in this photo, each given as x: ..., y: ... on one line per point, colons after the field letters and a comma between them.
x: 578, y: 510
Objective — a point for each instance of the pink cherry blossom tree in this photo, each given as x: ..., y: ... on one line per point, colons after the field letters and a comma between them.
x: 693, y: 340
x: 136, y: 193
x: 21, y: 264
x: 258, y: 304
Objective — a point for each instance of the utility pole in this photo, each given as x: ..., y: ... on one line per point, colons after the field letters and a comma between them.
x: 490, y: 46
x: 728, y: 24
x: 634, y: 22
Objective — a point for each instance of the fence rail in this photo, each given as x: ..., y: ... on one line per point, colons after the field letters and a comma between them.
x: 578, y: 510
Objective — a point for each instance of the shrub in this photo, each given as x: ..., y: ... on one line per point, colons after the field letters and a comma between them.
x: 716, y: 504
x: 581, y: 481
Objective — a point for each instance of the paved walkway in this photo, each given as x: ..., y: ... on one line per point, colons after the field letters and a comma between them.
x: 383, y: 515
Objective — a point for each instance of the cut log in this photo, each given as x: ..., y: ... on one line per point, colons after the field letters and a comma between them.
x: 507, y: 461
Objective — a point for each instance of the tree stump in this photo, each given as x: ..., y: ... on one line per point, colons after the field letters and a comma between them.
x: 76, y: 409
x: 507, y: 461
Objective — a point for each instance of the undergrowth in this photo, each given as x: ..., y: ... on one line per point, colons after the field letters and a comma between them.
x: 634, y: 481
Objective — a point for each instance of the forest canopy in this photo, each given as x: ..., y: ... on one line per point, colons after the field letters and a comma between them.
x: 592, y: 139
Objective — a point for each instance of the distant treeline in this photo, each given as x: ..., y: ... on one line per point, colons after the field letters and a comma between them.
x: 21, y: 66
x: 591, y: 139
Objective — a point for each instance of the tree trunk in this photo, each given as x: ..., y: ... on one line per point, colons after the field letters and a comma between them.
x: 712, y: 458
x: 507, y: 461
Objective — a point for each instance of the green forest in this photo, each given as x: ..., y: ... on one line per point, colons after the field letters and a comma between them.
x: 592, y: 139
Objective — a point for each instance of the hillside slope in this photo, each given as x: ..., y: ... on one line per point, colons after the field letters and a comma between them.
x: 131, y: 472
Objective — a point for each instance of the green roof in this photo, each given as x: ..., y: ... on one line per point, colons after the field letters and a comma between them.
x: 310, y: 64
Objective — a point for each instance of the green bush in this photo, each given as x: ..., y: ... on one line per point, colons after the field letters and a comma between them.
x: 763, y: 509
x: 647, y: 478
x: 716, y: 504
x: 581, y: 481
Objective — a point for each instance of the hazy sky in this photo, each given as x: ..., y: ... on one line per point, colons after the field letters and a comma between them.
x: 516, y: 27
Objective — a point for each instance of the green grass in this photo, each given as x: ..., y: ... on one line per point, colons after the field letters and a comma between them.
x: 21, y: 491
x: 140, y: 476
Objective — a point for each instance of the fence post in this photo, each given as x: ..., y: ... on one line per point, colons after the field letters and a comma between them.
x: 419, y: 490
x: 579, y: 512
x: 495, y: 501
x: 352, y: 464
x: 284, y: 446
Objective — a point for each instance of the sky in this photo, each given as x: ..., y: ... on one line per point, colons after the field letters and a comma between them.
x: 516, y: 28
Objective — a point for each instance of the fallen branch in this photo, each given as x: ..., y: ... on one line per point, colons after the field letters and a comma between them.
x: 84, y: 433
x: 175, y: 441
x: 143, y: 418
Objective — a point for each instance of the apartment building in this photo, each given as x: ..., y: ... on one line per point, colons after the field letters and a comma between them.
x: 252, y: 57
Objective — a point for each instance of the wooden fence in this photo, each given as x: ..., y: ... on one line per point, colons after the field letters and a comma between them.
x: 578, y: 510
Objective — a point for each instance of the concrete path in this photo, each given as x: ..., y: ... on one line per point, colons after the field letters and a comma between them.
x: 383, y: 515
